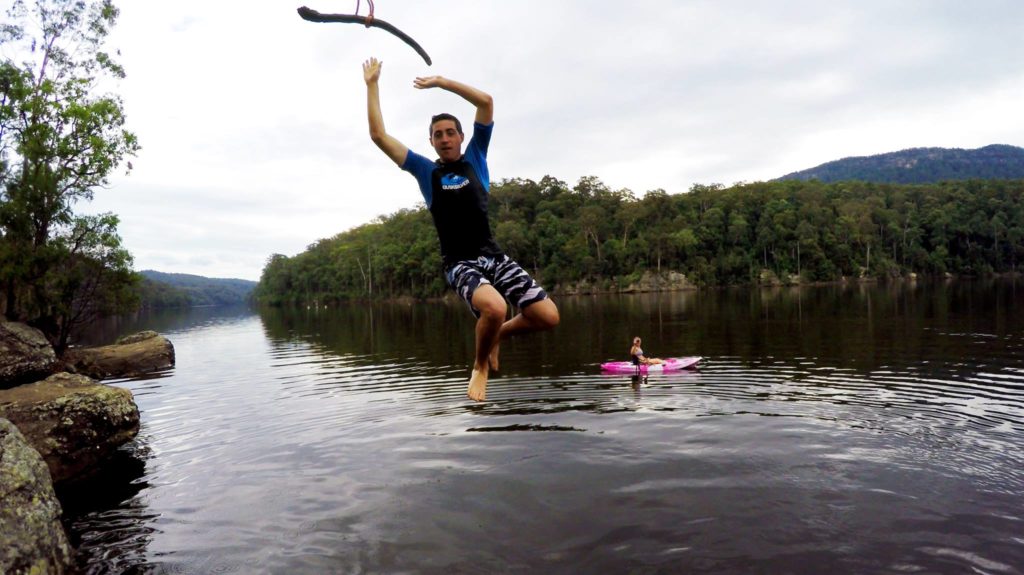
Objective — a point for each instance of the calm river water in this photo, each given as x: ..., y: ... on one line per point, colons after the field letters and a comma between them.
x: 843, y: 429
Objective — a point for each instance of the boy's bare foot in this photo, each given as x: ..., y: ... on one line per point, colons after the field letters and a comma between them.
x: 477, y: 385
x: 492, y: 359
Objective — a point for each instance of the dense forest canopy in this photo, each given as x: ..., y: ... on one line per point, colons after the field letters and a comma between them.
x: 922, y: 166
x: 159, y: 289
x: 748, y: 233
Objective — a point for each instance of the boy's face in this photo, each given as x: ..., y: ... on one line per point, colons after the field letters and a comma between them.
x: 447, y: 140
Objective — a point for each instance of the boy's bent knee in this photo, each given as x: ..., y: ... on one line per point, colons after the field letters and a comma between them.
x: 551, y: 320
x: 554, y: 320
x: 543, y: 314
x: 492, y: 311
x: 489, y: 304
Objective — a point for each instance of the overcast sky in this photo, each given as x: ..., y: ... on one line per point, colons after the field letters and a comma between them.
x: 253, y: 122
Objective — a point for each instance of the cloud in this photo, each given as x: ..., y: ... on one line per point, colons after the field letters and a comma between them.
x: 253, y: 122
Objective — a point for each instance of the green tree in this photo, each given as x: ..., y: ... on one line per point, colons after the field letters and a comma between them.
x: 514, y: 237
x: 714, y: 235
x: 60, y: 138
x: 93, y: 276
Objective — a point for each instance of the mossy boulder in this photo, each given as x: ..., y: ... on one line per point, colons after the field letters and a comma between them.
x: 25, y: 354
x: 32, y: 539
x: 132, y: 355
x: 73, y: 421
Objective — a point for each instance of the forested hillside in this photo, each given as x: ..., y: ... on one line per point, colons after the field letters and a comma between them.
x: 160, y: 289
x: 716, y: 236
x: 922, y: 166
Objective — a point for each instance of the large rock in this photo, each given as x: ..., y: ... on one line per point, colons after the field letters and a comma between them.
x: 132, y: 355
x: 25, y: 354
x: 32, y: 539
x: 73, y: 421
x: 666, y: 281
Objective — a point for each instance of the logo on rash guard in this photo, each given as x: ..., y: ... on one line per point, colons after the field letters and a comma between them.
x: 453, y: 182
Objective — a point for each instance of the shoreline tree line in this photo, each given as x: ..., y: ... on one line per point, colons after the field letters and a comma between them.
x: 751, y: 233
x: 167, y: 290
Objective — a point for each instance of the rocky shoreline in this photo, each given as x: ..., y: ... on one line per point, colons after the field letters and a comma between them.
x: 58, y: 424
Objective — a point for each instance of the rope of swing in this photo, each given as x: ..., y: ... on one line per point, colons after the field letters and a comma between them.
x: 369, y: 17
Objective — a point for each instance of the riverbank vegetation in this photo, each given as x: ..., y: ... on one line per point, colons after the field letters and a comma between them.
x: 166, y: 290
x: 61, y: 137
x: 765, y: 232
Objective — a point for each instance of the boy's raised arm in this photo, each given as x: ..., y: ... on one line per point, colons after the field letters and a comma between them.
x: 483, y: 101
x: 394, y: 149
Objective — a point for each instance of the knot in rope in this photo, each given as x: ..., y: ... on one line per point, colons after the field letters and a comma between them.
x: 369, y: 17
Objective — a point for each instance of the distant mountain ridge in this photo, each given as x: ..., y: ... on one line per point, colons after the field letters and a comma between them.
x: 922, y: 166
x: 160, y: 289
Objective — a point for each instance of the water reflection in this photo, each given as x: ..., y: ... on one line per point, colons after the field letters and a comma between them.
x: 857, y: 428
x: 106, y: 515
x: 165, y: 321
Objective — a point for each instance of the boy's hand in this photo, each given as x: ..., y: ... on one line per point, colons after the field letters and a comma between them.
x: 371, y: 71
x: 428, y: 82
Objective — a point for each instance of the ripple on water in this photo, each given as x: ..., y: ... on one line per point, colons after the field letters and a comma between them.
x: 304, y: 458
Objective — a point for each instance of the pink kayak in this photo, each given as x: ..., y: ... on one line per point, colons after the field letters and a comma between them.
x: 671, y: 364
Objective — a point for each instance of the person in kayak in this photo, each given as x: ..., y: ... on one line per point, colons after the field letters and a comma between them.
x: 455, y: 189
x: 636, y: 355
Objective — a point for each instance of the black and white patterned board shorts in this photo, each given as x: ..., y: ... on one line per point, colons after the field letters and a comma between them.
x: 511, y: 281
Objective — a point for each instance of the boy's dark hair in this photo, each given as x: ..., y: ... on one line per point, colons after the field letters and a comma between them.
x: 444, y: 116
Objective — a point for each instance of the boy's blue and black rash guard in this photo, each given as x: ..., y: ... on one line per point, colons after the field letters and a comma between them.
x: 456, y: 195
